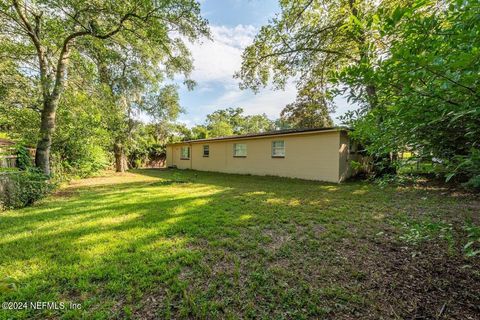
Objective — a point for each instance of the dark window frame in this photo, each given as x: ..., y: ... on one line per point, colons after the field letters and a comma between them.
x: 206, y: 155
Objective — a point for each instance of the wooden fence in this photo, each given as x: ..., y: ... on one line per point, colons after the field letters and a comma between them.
x: 8, y: 161
x: 8, y: 158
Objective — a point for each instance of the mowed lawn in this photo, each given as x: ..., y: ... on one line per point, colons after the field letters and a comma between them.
x: 155, y: 244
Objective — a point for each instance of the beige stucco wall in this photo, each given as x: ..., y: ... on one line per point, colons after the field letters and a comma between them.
x: 314, y: 156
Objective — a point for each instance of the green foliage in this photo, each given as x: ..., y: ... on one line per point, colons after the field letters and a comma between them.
x: 147, y: 142
x: 355, y: 165
x: 473, y: 182
x: 8, y: 284
x: 82, y: 139
x: 200, y: 132
x: 225, y: 122
x: 112, y: 56
x: 417, y: 232
x: 18, y: 103
x: 310, y: 41
x: 311, y: 108
x: 472, y: 247
x: 411, y: 66
x: 306, y: 115
x: 394, y: 180
x: 231, y: 121
x: 467, y: 167
x: 426, y: 87
x: 220, y: 129
x: 256, y: 123
x: 24, y: 160
x: 24, y: 188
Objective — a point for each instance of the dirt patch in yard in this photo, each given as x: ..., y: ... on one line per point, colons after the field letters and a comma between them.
x: 425, y: 282
x: 278, y: 238
x: 65, y: 193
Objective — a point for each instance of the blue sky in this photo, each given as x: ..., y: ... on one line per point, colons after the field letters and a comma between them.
x: 233, y: 25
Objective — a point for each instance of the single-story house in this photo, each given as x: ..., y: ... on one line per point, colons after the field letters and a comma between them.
x: 322, y: 154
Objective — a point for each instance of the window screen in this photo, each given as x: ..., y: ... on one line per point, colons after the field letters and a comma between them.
x: 278, y: 149
x: 239, y: 150
x: 185, y: 153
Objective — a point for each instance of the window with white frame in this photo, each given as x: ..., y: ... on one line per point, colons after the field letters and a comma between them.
x: 185, y: 153
x: 206, y: 151
x: 278, y: 149
x: 239, y: 150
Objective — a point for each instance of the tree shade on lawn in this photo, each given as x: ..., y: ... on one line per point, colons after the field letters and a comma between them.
x: 183, y: 244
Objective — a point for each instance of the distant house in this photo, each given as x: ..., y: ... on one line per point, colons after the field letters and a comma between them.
x: 7, y: 159
x: 314, y: 154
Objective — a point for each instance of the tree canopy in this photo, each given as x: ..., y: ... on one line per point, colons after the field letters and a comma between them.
x: 411, y: 66
x: 427, y: 85
x: 44, y: 39
x: 231, y: 121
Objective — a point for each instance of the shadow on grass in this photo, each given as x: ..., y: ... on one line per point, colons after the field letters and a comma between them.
x: 188, y: 244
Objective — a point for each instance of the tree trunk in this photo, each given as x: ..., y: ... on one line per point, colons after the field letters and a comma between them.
x: 120, y: 158
x: 47, y: 127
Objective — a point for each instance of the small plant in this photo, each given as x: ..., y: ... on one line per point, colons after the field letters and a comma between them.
x: 472, y: 247
x: 473, y: 183
x: 465, y: 168
x: 395, y: 179
x: 417, y: 232
x: 355, y: 165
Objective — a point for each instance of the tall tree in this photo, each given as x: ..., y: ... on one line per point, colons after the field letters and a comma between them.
x: 427, y: 85
x: 230, y: 121
x: 311, y: 41
x: 314, y: 42
x: 133, y: 80
x: 310, y: 110
x: 225, y: 121
x: 43, y: 35
x: 257, y: 123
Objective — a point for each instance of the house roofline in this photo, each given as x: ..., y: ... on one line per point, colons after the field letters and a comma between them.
x: 266, y: 134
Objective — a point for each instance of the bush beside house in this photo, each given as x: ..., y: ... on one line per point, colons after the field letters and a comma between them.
x: 20, y: 183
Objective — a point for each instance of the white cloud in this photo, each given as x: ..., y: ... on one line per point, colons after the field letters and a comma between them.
x: 217, y: 60
x: 215, y: 63
x: 267, y: 101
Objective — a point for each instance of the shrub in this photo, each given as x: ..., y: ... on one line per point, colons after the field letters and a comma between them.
x: 473, y: 182
x: 472, y: 247
x: 23, y: 188
x: 466, y: 168
x: 82, y: 163
x: 24, y: 161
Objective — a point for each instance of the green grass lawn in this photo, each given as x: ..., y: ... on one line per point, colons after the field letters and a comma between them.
x: 184, y: 244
